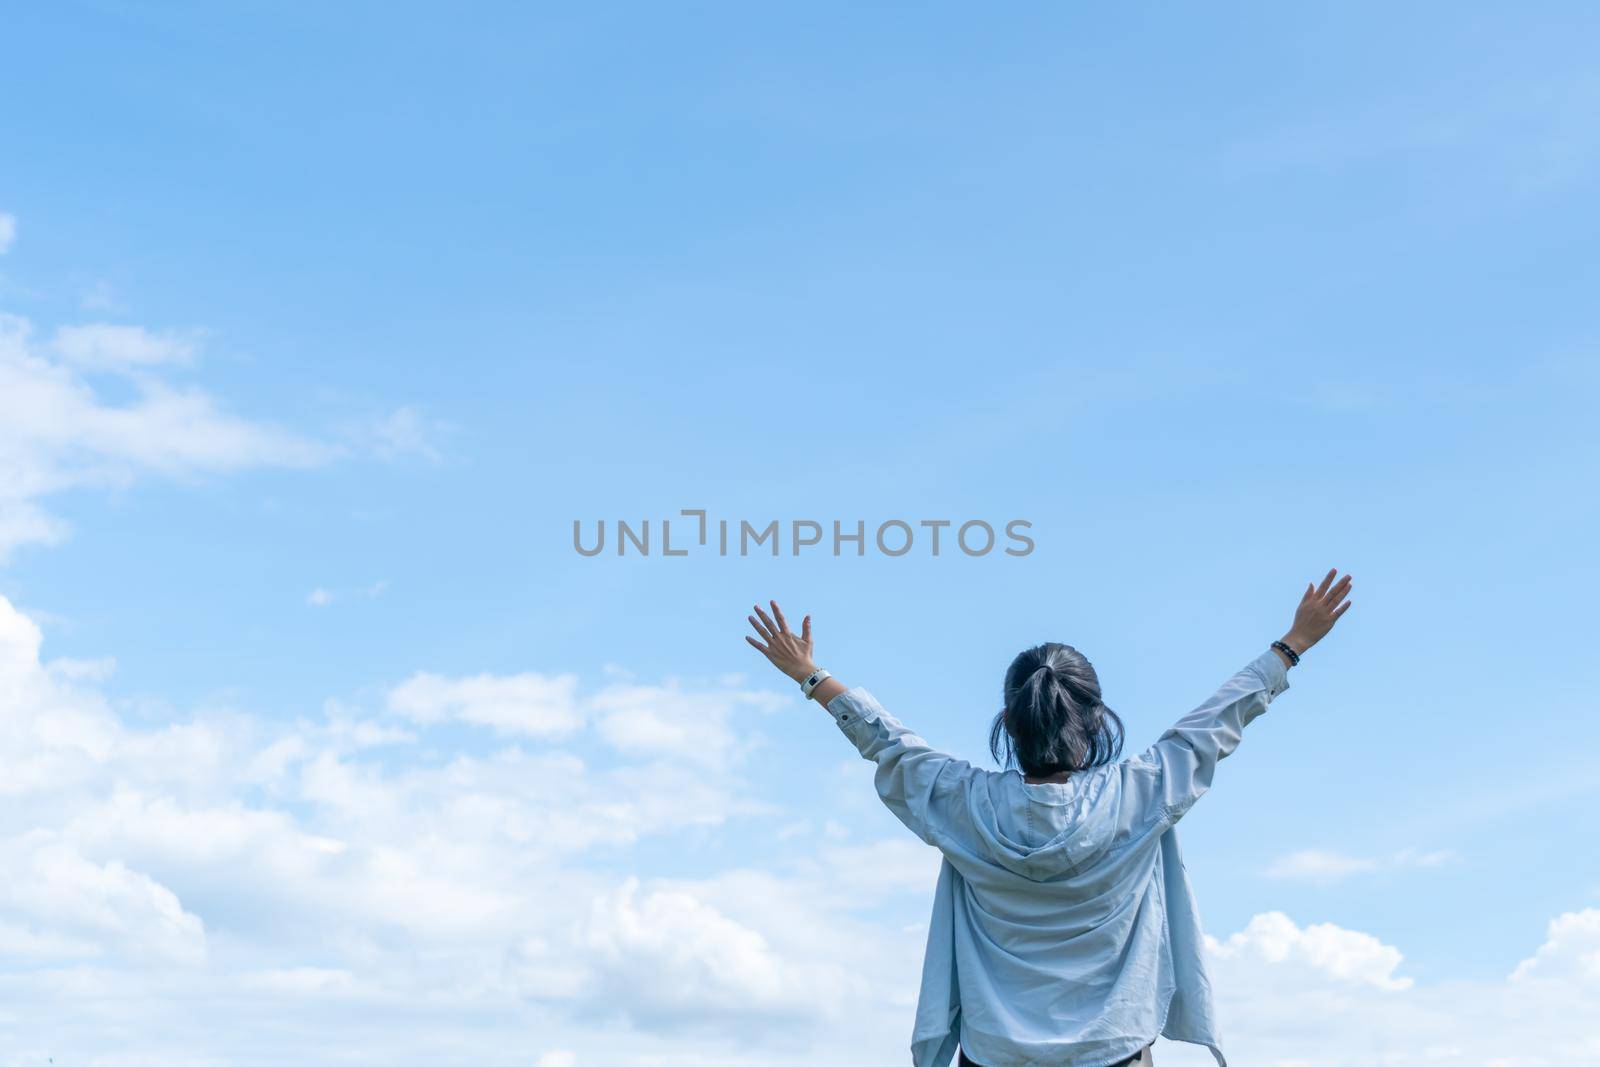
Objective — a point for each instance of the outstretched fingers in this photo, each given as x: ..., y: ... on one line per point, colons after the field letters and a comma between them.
x: 762, y: 626
x: 1322, y: 590
x: 766, y: 619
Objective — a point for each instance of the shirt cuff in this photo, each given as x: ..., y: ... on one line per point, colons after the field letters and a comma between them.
x: 852, y: 706
x: 1273, y: 672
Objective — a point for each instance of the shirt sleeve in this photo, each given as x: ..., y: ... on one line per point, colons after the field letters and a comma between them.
x: 922, y: 786
x: 1162, y: 783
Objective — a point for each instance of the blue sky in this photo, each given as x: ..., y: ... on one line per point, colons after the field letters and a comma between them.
x: 325, y: 324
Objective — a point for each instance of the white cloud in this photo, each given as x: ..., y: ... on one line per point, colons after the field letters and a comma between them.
x: 667, y: 720
x: 61, y: 430
x: 1322, y: 949
x: 321, y: 597
x: 56, y: 433
x: 75, y: 906
x: 104, y: 347
x: 1324, y: 996
x: 82, y: 670
x: 648, y: 721
x: 668, y: 958
x: 8, y: 231
x: 319, y: 872
x: 402, y: 432
x: 1571, y: 951
x: 529, y: 704
x: 103, y: 297
x: 1318, y: 865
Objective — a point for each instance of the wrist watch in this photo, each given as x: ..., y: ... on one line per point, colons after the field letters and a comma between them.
x: 813, y: 680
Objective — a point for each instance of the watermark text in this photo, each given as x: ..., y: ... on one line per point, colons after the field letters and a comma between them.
x: 694, y: 531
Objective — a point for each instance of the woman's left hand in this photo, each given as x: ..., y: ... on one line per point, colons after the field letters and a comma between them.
x: 788, y: 652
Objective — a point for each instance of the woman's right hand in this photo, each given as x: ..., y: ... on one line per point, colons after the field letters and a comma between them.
x: 1319, y: 609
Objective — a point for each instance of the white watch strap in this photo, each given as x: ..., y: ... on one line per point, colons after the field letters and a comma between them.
x: 813, y: 680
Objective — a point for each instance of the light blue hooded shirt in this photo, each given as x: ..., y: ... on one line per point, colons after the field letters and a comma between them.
x: 1064, y: 931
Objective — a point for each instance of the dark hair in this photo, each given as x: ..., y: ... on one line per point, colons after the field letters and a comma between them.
x: 1054, y: 719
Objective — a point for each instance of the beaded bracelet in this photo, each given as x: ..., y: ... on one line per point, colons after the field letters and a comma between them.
x: 1294, y: 657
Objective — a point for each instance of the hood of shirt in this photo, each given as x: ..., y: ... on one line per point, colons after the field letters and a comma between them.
x: 1050, y: 830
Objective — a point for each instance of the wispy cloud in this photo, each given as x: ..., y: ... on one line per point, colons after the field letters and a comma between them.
x: 103, y: 298
x: 57, y: 433
x: 664, y: 721
x: 1524, y: 137
x: 60, y: 429
x: 1319, y: 865
x: 528, y: 704
x: 124, y: 349
x: 400, y: 433
x: 322, y: 597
